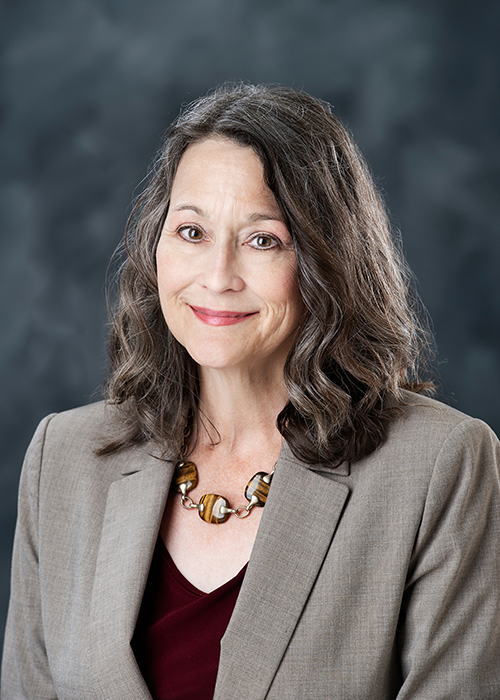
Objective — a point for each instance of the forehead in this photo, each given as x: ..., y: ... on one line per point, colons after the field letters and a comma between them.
x: 219, y: 166
x: 216, y: 149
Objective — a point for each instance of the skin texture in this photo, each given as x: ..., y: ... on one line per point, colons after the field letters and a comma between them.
x: 227, y: 277
x: 225, y: 247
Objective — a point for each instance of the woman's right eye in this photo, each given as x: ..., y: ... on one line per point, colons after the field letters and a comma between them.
x: 191, y: 233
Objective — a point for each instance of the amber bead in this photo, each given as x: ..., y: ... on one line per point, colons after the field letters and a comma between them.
x: 259, y: 488
x: 210, y: 512
x: 185, y: 477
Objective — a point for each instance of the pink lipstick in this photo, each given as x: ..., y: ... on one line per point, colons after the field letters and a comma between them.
x: 220, y: 318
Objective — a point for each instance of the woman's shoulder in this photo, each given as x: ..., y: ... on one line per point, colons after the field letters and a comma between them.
x: 428, y: 426
x: 82, y: 425
x: 79, y: 430
x: 434, y: 455
x: 424, y: 412
x: 67, y: 445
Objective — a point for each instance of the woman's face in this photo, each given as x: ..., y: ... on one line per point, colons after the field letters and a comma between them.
x: 227, y: 271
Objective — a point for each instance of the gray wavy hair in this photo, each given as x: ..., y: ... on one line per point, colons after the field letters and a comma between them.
x: 362, y: 340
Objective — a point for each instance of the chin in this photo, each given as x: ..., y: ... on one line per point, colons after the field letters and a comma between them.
x: 216, y: 361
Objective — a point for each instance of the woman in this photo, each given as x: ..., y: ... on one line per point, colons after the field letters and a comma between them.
x: 264, y: 326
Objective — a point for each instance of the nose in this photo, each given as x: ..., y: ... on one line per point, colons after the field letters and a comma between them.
x: 221, y: 269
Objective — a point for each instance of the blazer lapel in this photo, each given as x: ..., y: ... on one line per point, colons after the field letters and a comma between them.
x: 296, y: 529
x: 131, y: 523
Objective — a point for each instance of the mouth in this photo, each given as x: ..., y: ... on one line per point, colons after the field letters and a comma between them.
x: 220, y: 318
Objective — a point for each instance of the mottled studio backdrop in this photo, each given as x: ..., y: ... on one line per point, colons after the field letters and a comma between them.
x: 89, y: 86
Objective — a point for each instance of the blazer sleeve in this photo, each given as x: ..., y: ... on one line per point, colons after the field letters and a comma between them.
x: 450, y: 623
x: 25, y: 668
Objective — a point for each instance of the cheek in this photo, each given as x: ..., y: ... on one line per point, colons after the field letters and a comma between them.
x: 160, y: 267
x: 167, y: 290
x: 284, y: 285
x: 169, y: 273
x: 282, y: 291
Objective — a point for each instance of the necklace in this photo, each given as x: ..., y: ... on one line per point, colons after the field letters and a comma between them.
x: 213, y: 508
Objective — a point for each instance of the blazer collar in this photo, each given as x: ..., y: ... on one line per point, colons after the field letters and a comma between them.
x: 134, y: 510
x: 297, y: 526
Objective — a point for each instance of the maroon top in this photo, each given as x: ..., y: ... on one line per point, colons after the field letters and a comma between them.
x: 177, y: 638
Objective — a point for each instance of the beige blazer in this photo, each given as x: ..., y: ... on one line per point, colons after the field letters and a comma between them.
x: 374, y: 581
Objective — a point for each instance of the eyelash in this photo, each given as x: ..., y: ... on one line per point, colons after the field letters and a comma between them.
x: 275, y: 242
x: 182, y: 229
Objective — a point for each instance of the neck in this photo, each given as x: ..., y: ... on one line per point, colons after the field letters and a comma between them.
x: 242, y: 407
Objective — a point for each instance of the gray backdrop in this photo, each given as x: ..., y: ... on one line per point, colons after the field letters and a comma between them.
x: 90, y: 85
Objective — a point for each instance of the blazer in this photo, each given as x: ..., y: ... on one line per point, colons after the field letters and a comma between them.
x: 373, y: 581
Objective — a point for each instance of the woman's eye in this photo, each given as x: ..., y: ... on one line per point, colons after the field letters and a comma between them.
x: 190, y: 233
x: 262, y: 242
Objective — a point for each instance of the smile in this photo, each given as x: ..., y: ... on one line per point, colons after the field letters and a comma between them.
x: 220, y: 318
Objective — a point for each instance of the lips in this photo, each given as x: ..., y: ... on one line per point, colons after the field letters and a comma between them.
x: 214, y: 317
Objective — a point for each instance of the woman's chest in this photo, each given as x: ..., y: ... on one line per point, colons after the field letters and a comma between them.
x: 207, y: 554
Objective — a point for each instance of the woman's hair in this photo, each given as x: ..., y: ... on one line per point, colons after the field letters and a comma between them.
x: 361, y: 341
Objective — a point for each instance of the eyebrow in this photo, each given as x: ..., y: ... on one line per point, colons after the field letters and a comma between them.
x: 253, y: 218
x: 190, y: 207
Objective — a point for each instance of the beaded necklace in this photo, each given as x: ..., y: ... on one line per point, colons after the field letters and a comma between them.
x: 213, y: 508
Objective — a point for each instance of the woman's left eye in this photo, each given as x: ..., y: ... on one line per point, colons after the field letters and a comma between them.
x: 191, y: 233
x: 263, y: 242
